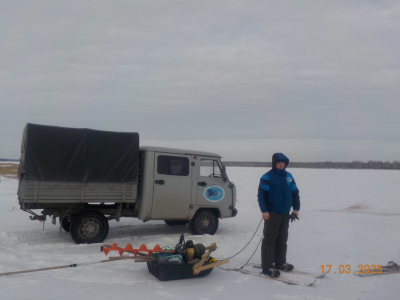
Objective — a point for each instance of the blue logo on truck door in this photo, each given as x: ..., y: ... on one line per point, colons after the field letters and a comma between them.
x: 214, y: 193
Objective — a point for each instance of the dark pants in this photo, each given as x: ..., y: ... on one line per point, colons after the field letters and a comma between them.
x: 274, y: 247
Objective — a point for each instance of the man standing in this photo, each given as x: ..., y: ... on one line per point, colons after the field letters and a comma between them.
x: 277, y: 194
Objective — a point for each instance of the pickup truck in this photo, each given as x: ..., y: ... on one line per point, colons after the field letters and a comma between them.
x: 86, y: 177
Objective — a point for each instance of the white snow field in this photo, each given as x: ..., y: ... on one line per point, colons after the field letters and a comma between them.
x: 347, y: 217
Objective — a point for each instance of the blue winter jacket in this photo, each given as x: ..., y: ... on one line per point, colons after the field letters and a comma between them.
x: 278, y: 191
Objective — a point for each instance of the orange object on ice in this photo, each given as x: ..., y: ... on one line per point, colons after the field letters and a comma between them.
x: 129, y: 248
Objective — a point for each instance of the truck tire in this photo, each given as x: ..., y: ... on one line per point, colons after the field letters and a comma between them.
x: 205, y: 221
x: 176, y: 222
x: 65, y: 224
x: 89, y: 227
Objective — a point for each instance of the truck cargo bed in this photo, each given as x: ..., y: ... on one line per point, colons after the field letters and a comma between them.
x: 35, y: 191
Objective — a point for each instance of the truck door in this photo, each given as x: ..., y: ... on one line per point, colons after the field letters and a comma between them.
x: 212, y: 189
x: 172, y: 186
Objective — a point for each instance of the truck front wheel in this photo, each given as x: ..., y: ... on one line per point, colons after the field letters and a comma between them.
x: 89, y: 227
x: 205, y: 221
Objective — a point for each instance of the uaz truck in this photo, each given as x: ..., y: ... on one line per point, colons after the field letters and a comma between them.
x: 87, y: 177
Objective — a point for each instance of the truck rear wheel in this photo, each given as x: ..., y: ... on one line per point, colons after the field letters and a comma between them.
x: 204, y: 222
x: 89, y: 227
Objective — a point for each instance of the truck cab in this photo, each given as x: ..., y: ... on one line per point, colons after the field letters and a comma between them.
x: 184, y: 186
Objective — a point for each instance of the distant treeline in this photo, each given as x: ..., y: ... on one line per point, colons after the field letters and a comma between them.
x: 372, y: 164
x: 377, y: 165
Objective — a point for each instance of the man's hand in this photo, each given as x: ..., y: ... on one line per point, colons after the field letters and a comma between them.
x: 266, y: 216
x: 293, y: 216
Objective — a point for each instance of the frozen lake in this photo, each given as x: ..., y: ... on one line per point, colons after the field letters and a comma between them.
x: 347, y: 217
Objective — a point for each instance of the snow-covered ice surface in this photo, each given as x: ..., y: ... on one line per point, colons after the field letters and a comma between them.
x: 347, y: 217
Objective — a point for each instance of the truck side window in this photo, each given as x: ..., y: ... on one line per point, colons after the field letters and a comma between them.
x: 209, y: 168
x: 173, y: 165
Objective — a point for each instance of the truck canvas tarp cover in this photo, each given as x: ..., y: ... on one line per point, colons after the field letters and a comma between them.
x: 53, y: 153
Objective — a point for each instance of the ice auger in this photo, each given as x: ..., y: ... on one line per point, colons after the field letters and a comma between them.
x: 129, y: 249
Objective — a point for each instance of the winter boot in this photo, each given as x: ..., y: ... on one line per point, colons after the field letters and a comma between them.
x: 271, y: 272
x: 285, y: 267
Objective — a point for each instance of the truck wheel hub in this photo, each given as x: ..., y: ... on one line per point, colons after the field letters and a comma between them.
x: 205, y: 223
x: 90, y: 228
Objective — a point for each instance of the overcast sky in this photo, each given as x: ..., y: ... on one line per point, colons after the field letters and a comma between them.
x: 317, y: 80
